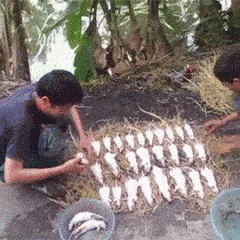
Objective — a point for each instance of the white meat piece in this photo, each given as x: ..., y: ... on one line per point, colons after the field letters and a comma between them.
x: 131, y: 156
x: 170, y: 133
x: 143, y: 154
x: 209, y: 176
x: 160, y: 134
x: 162, y: 182
x: 111, y: 161
x: 177, y: 174
x: 144, y: 183
x: 158, y: 151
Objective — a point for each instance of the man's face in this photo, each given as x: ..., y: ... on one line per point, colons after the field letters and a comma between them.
x: 50, y: 109
x: 55, y: 110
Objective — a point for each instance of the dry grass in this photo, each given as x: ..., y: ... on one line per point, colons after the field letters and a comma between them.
x: 152, y: 73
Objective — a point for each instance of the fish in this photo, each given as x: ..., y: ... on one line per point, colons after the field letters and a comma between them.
x: 104, y: 193
x: 131, y: 187
x: 118, y: 142
x: 107, y: 143
x: 174, y: 153
x: 177, y: 174
x: 89, y: 225
x: 143, y: 154
x: 110, y: 159
x: 131, y: 156
x: 149, y: 135
x: 97, y: 171
x: 170, y: 133
x: 200, y: 150
x: 144, y: 183
x: 189, y: 131
x: 162, y: 182
x: 208, y: 174
x: 141, y: 139
x: 180, y: 132
x: 158, y: 151
x: 96, y: 146
x: 197, y: 186
x: 117, y: 192
x: 83, y: 216
x: 130, y: 140
x: 160, y: 134
x: 188, y: 151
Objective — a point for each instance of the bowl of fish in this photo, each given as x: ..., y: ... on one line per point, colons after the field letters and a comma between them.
x: 87, y: 219
x: 225, y: 214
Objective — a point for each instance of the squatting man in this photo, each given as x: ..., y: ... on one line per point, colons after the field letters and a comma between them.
x: 227, y: 70
x: 33, y: 121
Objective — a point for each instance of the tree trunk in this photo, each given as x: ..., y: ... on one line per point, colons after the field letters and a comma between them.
x: 5, y: 38
x: 21, y: 64
x: 92, y: 28
x: 106, y: 12
x: 155, y: 26
x: 112, y: 23
x: 2, y: 42
x: 235, y: 19
x: 131, y: 13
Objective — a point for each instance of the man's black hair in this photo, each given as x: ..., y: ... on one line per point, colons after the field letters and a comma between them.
x: 61, y: 87
x: 227, y: 66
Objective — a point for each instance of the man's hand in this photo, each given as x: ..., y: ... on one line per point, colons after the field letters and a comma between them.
x: 212, y: 125
x: 74, y: 166
x: 86, y: 145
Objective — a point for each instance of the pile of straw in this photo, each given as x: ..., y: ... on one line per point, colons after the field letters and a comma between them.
x: 216, y: 96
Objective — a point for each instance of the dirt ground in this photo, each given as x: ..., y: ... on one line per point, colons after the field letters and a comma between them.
x: 121, y: 102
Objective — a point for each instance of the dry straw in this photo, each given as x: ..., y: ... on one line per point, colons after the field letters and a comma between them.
x: 216, y: 96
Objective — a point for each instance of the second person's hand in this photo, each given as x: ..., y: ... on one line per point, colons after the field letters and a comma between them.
x: 213, y: 125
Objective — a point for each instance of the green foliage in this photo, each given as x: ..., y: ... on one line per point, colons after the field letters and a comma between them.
x: 74, y: 22
x: 74, y: 30
x: 178, y: 18
x: 40, y: 18
x: 83, y: 61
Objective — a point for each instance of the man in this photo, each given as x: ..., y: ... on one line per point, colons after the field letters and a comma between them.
x: 227, y: 70
x: 31, y: 151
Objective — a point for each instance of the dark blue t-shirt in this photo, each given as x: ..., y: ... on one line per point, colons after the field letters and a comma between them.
x: 20, y: 126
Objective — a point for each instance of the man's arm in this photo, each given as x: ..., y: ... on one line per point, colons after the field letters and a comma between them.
x: 15, y: 173
x: 231, y: 117
x: 77, y: 120
x: 84, y: 139
x: 213, y: 124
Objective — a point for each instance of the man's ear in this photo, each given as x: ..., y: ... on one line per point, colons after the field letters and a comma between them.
x: 45, y: 101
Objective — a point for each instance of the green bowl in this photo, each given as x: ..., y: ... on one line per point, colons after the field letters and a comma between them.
x: 225, y: 214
